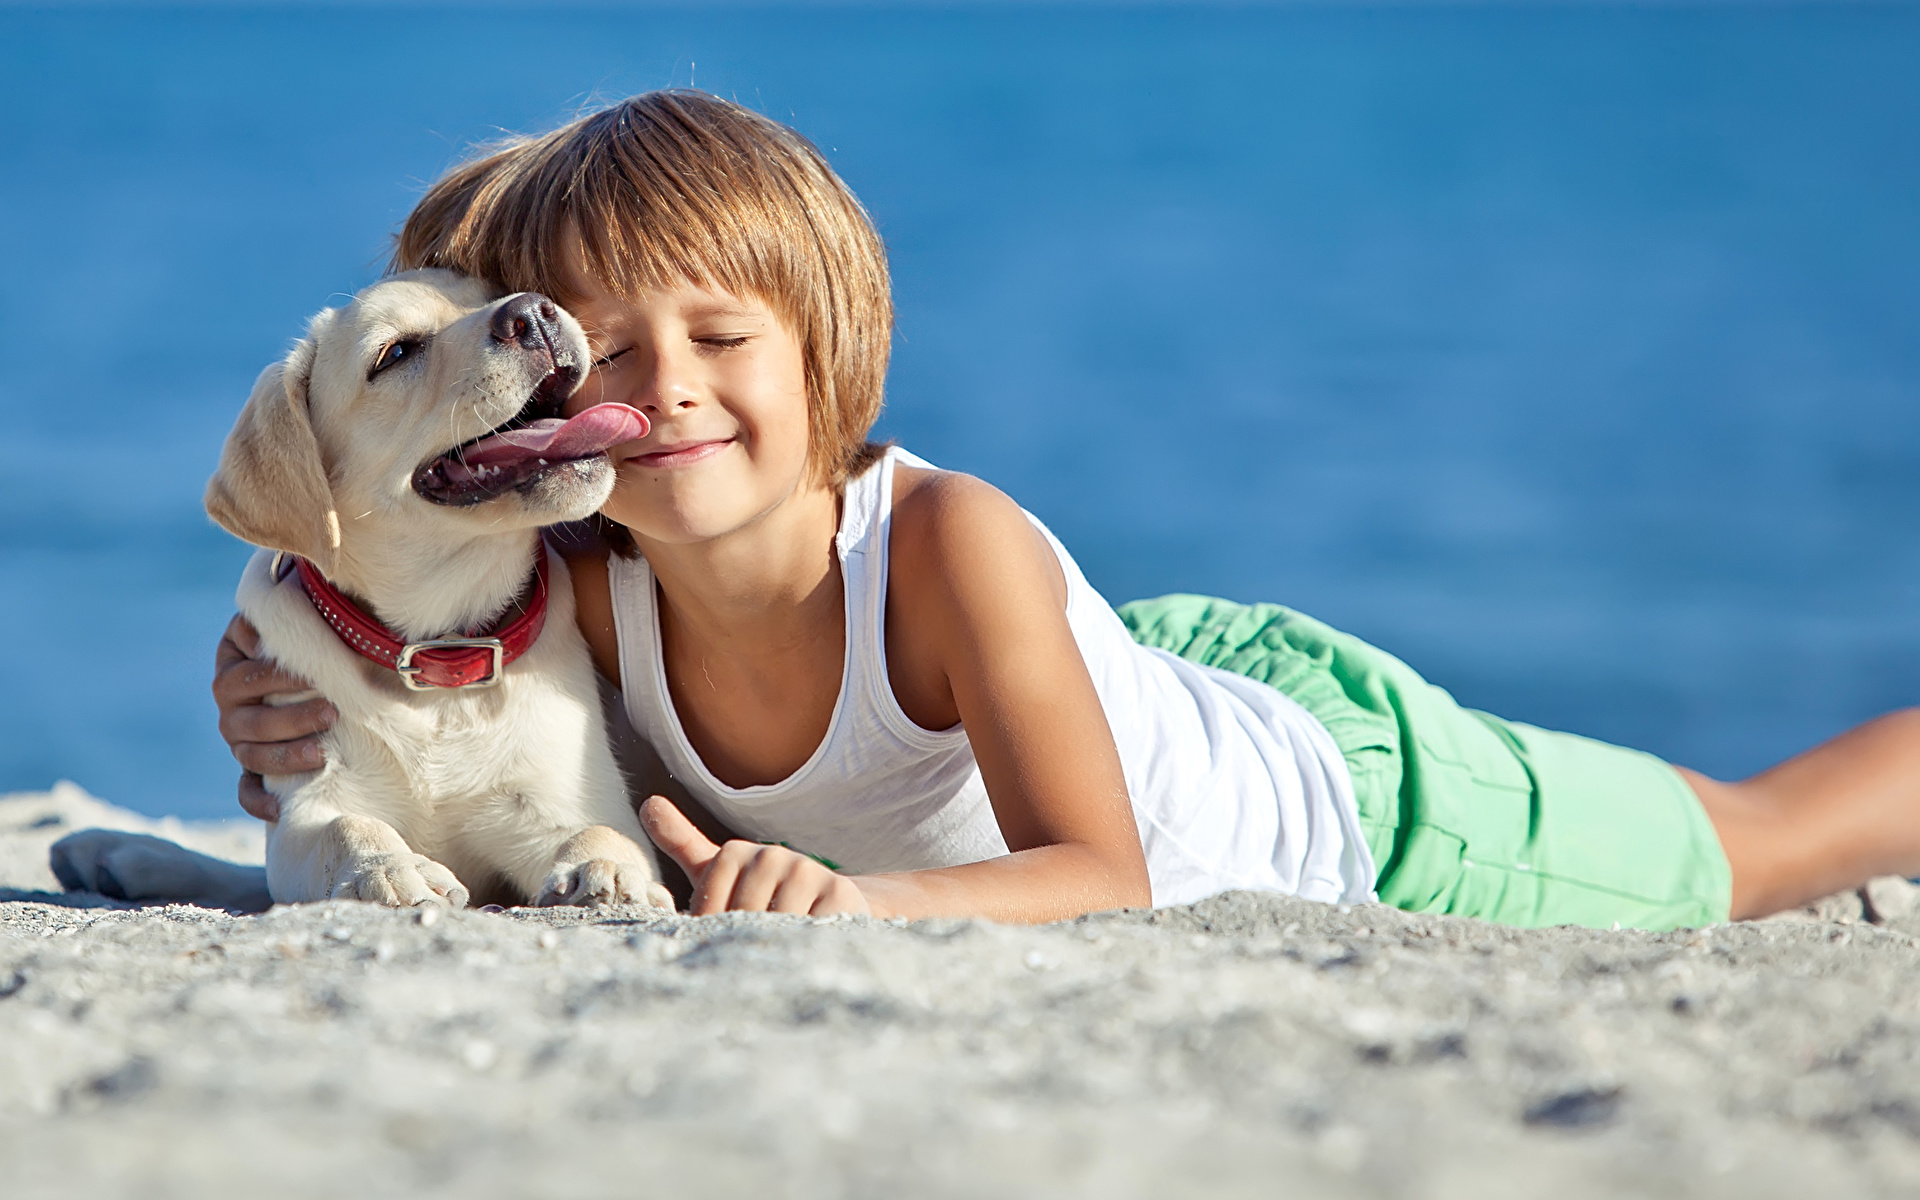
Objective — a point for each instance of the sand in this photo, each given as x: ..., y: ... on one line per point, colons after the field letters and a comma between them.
x: 1249, y: 1045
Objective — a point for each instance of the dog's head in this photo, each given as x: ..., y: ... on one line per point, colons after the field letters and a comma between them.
x: 430, y: 399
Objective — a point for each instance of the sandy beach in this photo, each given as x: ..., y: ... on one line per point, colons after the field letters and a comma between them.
x: 1248, y: 1045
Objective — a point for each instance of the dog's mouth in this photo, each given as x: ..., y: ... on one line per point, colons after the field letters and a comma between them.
x: 519, y: 453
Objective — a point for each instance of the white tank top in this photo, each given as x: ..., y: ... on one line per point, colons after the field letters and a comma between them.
x: 1233, y: 784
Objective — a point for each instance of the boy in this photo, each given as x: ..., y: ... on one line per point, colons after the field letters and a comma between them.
x: 835, y: 647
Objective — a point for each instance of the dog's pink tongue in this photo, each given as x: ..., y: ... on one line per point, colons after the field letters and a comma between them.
x: 579, y: 436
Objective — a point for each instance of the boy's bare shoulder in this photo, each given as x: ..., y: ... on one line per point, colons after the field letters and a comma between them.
x: 924, y: 490
x: 945, y: 521
x: 947, y: 507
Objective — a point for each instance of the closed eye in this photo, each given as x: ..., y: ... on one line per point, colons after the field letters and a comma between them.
x: 601, y: 362
x: 404, y: 350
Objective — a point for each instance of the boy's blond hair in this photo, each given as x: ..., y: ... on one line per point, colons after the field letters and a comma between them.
x: 675, y: 186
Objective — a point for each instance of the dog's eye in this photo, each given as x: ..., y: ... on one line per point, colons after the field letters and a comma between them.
x: 395, y: 354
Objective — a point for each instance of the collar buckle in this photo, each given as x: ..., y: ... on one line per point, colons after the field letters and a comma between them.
x: 410, y: 674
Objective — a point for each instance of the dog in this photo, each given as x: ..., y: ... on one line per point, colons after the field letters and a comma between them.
x: 396, y: 469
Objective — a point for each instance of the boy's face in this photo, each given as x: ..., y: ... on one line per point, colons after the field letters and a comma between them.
x: 723, y: 383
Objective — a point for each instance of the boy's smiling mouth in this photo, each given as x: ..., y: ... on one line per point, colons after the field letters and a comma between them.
x: 682, y: 454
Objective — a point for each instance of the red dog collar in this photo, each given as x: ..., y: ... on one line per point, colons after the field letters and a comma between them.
x: 460, y: 662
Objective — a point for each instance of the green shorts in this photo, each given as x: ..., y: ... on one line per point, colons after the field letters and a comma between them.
x: 1466, y: 813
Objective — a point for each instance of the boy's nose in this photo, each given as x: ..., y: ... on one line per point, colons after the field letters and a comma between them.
x: 526, y: 321
x: 664, y: 387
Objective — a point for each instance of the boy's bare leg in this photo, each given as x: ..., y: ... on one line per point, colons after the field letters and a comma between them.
x: 1827, y: 820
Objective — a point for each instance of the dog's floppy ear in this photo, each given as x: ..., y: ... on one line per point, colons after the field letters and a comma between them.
x: 271, y: 488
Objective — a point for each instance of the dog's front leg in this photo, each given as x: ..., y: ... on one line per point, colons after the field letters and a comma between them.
x: 370, y: 861
x: 598, y: 866
x: 350, y: 857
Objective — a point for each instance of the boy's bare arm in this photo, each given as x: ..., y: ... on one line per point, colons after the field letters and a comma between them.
x: 977, y: 604
x: 976, y: 635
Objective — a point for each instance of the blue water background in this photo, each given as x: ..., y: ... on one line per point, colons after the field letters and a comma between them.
x: 1570, y: 353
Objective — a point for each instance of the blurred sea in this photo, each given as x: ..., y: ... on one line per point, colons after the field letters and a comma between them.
x: 1570, y: 352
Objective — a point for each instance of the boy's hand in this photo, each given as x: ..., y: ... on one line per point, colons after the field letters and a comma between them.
x: 266, y: 740
x: 744, y: 876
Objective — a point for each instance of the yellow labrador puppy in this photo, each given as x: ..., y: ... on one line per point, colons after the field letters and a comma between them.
x: 396, y: 468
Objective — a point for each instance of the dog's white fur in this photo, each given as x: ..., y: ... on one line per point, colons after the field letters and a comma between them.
x: 427, y: 797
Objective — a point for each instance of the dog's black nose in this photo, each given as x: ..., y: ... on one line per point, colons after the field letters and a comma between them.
x: 526, y: 320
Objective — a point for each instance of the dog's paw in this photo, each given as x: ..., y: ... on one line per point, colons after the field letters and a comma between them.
x: 602, y: 881
x: 400, y: 881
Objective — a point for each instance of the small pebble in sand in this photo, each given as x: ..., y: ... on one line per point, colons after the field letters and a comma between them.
x: 479, y: 1054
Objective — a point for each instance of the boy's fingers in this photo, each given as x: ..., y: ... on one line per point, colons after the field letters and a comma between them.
x: 765, y: 870
x: 279, y: 758
x: 256, y: 800
x: 717, y: 885
x: 240, y: 641
x: 841, y: 895
x: 248, y: 680
x: 244, y: 636
x: 241, y: 675
x: 673, y: 833
x: 798, y: 892
x: 264, y: 723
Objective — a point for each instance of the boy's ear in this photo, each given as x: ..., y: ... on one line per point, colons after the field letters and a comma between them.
x: 271, y: 488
